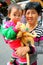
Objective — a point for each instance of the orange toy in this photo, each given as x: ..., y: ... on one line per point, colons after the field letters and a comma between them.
x: 26, y: 38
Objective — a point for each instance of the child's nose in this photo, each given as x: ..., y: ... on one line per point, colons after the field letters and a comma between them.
x: 17, y: 17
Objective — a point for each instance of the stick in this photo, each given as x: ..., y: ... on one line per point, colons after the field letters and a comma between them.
x: 28, y: 59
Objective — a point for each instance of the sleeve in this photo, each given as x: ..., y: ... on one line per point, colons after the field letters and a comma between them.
x: 39, y: 44
x: 9, y: 33
x: 32, y: 50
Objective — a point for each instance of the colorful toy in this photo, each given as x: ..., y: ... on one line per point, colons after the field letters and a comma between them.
x: 18, y: 35
x: 26, y: 38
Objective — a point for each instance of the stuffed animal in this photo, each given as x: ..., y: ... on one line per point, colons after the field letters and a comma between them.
x: 18, y: 38
x: 26, y: 38
x: 25, y: 35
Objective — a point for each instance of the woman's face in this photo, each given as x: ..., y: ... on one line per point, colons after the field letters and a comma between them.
x: 31, y: 15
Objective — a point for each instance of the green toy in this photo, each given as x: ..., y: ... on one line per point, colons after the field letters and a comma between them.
x: 9, y: 33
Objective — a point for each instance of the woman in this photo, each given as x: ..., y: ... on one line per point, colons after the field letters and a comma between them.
x: 32, y: 12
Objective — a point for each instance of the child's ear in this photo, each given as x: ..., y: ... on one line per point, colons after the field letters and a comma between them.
x: 9, y: 15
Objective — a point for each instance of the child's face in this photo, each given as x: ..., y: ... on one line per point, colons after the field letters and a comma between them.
x: 15, y: 14
x: 31, y: 15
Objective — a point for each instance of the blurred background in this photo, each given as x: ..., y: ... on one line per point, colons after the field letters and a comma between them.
x: 5, y: 51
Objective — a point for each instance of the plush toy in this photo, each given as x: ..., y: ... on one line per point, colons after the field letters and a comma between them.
x: 26, y: 38
x: 18, y: 38
x: 25, y: 35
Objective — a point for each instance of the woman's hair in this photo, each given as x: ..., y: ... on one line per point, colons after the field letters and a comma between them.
x: 34, y: 5
x: 13, y: 5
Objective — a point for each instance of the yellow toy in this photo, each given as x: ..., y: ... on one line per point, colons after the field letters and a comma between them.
x: 26, y: 38
x: 25, y: 35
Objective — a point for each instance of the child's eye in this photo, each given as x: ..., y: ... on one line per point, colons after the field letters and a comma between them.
x: 14, y: 14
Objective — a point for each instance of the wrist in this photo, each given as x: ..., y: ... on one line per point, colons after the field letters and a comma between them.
x: 28, y: 49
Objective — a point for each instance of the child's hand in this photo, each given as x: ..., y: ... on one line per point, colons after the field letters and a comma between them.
x: 21, y: 51
x: 18, y: 25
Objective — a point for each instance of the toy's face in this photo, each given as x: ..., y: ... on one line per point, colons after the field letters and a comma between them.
x: 15, y: 15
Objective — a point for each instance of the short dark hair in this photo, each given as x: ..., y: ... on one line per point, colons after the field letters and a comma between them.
x: 34, y: 5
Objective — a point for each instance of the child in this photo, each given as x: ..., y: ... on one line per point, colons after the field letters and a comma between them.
x: 9, y: 30
x: 31, y: 18
x: 32, y: 12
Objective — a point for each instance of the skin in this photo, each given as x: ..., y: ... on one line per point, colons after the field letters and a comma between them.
x: 31, y: 17
x: 15, y: 14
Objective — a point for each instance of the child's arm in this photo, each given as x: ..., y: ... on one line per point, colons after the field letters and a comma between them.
x: 8, y: 32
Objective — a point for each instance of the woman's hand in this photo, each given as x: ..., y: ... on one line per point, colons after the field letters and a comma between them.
x: 21, y: 51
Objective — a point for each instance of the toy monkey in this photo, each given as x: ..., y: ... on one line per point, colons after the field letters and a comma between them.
x: 26, y: 38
